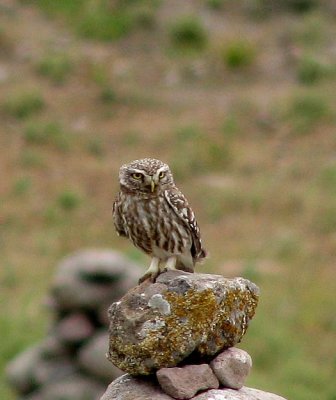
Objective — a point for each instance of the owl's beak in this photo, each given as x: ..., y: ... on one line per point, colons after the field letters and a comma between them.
x: 152, y: 185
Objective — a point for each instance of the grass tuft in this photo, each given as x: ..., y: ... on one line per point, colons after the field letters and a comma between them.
x: 108, y: 95
x: 57, y: 67
x: 22, y: 186
x: 51, y: 133
x: 188, y: 32
x: 238, y: 54
x: 24, y: 104
x: 69, y: 200
x: 306, y: 111
x: 311, y: 71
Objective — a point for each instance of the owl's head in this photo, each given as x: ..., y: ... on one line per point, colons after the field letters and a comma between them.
x: 147, y: 175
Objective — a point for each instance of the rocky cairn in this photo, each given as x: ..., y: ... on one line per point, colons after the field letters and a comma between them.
x: 175, y: 339
x: 70, y: 363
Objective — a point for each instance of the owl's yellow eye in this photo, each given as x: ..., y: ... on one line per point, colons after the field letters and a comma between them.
x: 161, y: 175
x: 137, y: 175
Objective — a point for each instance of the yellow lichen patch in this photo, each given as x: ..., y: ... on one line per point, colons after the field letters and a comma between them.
x: 196, y: 322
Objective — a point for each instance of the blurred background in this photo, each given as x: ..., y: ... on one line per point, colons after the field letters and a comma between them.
x: 238, y: 97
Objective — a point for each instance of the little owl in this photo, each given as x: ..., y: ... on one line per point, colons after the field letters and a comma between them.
x: 152, y: 212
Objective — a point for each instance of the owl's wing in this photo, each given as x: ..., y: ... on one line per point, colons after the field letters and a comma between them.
x: 180, y: 206
x: 117, y: 217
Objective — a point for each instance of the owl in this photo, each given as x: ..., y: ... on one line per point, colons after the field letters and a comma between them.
x: 151, y: 211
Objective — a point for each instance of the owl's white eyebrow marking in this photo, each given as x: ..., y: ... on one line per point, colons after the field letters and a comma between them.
x: 162, y: 169
x: 138, y: 171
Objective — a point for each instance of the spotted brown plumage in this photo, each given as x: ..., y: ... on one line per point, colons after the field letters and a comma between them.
x: 156, y: 217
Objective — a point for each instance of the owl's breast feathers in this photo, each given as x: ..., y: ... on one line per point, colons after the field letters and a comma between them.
x: 165, y: 222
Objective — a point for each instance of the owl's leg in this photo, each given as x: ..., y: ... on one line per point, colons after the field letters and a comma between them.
x: 152, y: 272
x: 170, y: 264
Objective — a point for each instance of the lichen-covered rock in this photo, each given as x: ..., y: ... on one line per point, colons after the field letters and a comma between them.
x: 232, y: 367
x: 128, y: 387
x: 184, y: 383
x: 159, y: 325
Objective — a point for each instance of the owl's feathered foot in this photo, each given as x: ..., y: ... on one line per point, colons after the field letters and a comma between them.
x: 152, y: 272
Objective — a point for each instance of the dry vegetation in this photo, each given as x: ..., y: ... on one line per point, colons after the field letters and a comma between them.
x: 238, y: 97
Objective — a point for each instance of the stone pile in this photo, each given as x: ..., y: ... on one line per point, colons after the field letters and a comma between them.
x: 70, y: 363
x: 175, y: 339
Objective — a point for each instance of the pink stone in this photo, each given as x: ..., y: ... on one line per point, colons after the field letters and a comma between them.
x: 185, y: 382
x: 232, y: 367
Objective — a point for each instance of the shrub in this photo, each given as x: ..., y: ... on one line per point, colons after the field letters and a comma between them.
x: 215, y: 4
x: 31, y: 158
x: 307, y: 110
x: 296, y: 6
x: 188, y: 32
x: 311, y: 71
x: 47, y: 133
x: 57, y: 67
x: 103, y: 25
x: 23, y: 104
x: 108, y: 95
x: 22, y: 186
x: 238, y: 54
x: 300, y: 6
x: 68, y: 200
x: 95, y: 147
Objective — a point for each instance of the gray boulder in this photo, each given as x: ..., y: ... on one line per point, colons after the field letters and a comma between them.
x: 92, y: 358
x: 90, y: 278
x: 76, y: 387
x: 74, y: 329
x: 158, y: 325
x: 31, y: 369
x: 128, y: 387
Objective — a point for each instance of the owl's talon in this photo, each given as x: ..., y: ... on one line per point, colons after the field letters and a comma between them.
x: 149, y: 276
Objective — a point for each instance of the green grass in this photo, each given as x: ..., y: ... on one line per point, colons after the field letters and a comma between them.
x: 22, y: 186
x: 69, y: 200
x: 188, y: 33
x: 261, y: 179
x: 238, y: 54
x: 215, y: 4
x: 108, y: 95
x: 307, y: 110
x: 100, y: 20
x: 202, y: 152
x: 57, y: 67
x: 47, y: 133
x: 311, y: 70
x: 23, y: 104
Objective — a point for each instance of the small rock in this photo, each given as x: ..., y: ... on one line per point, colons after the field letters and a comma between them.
x: 185, y: 382
x: 90, y: 278
x: 159, y: 325
x: 92, y: 358
x: 232, y: 367
x: 74, y: 329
